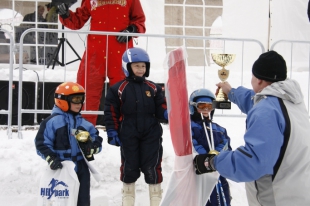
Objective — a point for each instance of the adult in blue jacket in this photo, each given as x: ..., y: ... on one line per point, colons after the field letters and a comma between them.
x: 275, y: 157
x: 201, y: 114
x: 58, y: 135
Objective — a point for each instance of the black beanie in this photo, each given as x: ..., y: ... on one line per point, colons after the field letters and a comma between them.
x: 270, y: 66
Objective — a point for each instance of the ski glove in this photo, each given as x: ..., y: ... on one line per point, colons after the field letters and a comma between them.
x: 89, y: 148
x: 129, y: 29
x: 166, y: 114
x: 63, y: 10
x: 204, y: 163
x: 54, y: 162
x: 113, y: 138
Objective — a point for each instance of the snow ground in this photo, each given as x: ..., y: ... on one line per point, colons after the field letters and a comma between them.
x: 21, y: 169
x: 21, y: 166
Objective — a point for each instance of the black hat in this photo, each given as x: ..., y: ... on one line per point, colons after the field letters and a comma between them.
x: 270, y: 66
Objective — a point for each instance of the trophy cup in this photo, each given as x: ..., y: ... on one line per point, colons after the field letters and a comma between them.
x: 222, y: 60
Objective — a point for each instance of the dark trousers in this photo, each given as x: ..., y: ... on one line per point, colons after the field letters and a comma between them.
x: 84, y: 178
x: 142, y: 153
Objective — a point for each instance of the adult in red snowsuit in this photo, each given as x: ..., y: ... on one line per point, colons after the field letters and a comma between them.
x: 110, y: 16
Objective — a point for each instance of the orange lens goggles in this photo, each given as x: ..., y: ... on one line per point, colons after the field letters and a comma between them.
x: 76, y: 99
x: 203, y: 106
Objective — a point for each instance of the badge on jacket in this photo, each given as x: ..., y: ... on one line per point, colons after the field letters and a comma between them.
x: 148, y: 93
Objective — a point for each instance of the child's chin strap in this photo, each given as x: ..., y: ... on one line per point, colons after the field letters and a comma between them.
x: 219, y: 188
x: 211, y: 145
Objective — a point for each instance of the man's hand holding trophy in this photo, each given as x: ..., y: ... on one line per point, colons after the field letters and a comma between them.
x: 221, y: 101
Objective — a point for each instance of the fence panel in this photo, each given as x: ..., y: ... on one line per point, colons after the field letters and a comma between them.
x: 8, y: 53
x: 204, y: 74
x: 297, y: 56
x: 198, y: 76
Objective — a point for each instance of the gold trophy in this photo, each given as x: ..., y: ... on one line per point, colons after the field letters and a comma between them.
x: 83, y: 136
x: 222, y: 60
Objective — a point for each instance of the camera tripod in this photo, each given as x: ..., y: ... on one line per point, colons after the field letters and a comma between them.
x: 61, y: 44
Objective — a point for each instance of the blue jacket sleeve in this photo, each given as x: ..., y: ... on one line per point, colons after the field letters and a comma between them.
x: 161, y: 105
x: 220, y: 146
x: 263, y: 141
x: 199, y: 148
x: 44, y: 141
x: 97, y: 140
x: 242, y: 97
x: 112, y: 107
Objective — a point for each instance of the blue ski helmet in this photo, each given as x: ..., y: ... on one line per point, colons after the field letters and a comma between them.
x: 135, y: 55
x: 199, y: 93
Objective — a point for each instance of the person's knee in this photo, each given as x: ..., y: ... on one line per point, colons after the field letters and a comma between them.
x: 152, y: 175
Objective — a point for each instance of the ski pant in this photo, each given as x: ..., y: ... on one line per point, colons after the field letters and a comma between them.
x: 92, y: 72
x: 215, y: 196
x: 142, y: 153
x: 84, y: 178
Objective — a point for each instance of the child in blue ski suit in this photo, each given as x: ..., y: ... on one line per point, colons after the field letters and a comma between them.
x: 200, y: 102
x: 58, y: 135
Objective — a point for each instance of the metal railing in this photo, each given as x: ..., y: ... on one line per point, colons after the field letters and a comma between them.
x: 290, y: 59
x: 10, y: 101
x: 107, y: 34
x: 148, y: 38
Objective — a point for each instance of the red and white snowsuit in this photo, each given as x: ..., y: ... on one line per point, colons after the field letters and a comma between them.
x: 110, y: 16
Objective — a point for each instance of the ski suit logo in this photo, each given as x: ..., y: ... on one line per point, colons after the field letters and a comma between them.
x: 96, y: 3
x: 51, y: 191
x: 93, y: 4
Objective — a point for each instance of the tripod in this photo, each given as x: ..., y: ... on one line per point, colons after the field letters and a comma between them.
x: 61, y: 43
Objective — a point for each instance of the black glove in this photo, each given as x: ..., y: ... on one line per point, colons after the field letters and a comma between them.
x: 129, y: 29
x: 54, y: 162
x: 89, y: 148
x: 204, y: 163
x: 63, y: 10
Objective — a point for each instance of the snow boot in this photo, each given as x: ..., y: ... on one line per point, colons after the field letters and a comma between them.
x: 155, y: 194
x: 128, y: 194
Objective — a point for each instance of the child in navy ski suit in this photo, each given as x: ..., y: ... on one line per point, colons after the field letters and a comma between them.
x: 65, y: 134
x: 134, y: 108
x: 200, y: 102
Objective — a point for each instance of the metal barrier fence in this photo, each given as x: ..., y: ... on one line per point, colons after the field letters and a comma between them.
x: 244, y: 46
x: 181, y: 40
x: 292, y: 48
x: 9, y: 111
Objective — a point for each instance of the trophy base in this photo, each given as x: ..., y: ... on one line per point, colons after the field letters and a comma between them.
x: 221, y: 104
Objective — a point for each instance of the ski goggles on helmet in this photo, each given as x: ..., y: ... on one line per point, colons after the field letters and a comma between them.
x: 202, y: 106
x: 76, y: 99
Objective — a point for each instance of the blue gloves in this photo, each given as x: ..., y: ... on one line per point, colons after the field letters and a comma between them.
x: 113, y: 138
x: 166, y: 114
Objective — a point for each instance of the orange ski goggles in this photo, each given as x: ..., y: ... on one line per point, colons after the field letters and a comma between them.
x: 203, y: 106
x: 76, y: 99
